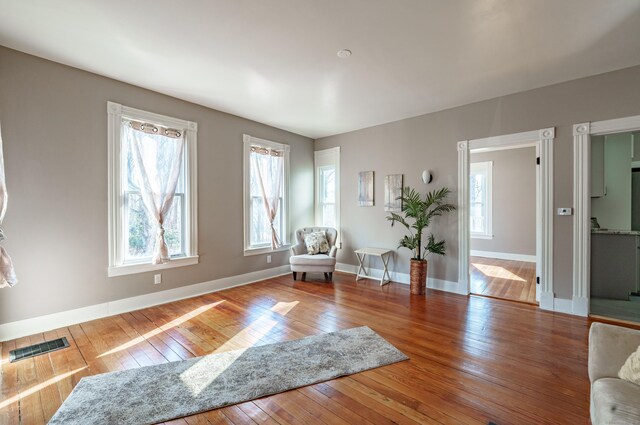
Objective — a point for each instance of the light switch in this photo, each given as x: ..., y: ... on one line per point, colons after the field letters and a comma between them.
x: 565, y: 211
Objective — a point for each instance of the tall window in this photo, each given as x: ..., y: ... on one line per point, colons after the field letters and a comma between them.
x: 480, y: 202
x: 266, y: 172
x: 327, y: 177
x: 152, y: 189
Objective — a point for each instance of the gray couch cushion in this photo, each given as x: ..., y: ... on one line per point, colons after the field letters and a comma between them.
x: 312, y: 260
x: 615, y: 401
x: 609, y: 348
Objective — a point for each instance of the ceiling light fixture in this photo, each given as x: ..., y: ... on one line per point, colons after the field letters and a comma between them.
x: 344, y: 53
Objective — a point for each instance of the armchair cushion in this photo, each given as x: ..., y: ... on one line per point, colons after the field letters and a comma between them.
x: 312, y: 259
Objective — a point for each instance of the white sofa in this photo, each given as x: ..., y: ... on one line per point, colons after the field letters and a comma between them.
x: 613, y: 400
x: 302, y: 262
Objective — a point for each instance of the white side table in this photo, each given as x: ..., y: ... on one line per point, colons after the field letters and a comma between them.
x: 384, y: 255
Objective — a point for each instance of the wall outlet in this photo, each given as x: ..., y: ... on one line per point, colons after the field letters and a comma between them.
x: 268, y: 259
x: 157, y: 279
x: 565, y: 211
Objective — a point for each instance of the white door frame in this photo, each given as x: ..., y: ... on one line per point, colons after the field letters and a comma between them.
x: 542, y: 140
x: 582, y: 202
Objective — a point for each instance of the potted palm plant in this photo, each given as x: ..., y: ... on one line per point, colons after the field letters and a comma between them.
x: 416, y: 215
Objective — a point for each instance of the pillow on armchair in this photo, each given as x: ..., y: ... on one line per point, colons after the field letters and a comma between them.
x: 316, y: 243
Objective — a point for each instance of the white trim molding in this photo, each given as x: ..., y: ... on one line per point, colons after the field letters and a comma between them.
x: 463, y: 216
x: 504, y: 256
x: 542, y: 140
x: 582, y: 202
x: 404, y: 278
x: 48, y: 322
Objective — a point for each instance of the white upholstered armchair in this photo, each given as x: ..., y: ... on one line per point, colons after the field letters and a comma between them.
x: 302, y: 262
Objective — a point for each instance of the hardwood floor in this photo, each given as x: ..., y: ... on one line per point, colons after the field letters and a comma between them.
x: 504, y: 279
x: 473, y: 360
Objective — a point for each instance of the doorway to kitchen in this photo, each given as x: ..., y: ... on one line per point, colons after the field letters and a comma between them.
x: 606, y: 258
x: 517, y: 207
x: 615, y: 228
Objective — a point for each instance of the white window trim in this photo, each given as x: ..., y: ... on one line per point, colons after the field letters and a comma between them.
x: 246, y: 168
x: 117, y: 266
x: 324, y: 158
x: 487, y: 168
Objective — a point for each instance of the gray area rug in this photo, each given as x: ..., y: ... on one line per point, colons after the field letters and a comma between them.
x: 152, y: 394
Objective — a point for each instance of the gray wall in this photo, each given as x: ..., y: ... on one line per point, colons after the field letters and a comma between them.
x: 514, y: 201
x: 54, y: 126
x: 429, y: 141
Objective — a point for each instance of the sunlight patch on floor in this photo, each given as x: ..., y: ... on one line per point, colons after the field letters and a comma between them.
x: 283, y: 308
x: 497, y: 272
x: 204, y: 372
x: 38, y: 387
x: 162, y: 328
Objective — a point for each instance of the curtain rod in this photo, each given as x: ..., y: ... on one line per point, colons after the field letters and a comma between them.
x: 154, y: 129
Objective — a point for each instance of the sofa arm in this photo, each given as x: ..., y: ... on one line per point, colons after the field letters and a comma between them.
x: 609, y: 348
x: 334, y: 250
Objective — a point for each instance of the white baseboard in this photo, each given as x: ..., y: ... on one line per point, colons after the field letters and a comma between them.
x: 504, y: 256
x: 578, y: 306
x: 48, y: 322
x: 562, y: 305
x: 439, y: 284
x: 581, y: 306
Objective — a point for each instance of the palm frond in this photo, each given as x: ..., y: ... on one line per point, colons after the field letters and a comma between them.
x: 421, y: 211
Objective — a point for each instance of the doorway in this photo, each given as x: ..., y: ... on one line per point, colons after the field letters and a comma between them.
x: 495, y: 269
x: 502, y: 222
x: 587, y: 182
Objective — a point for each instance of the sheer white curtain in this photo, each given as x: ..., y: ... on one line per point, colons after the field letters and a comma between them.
x: 157, y: 163
x: 269, y: 166
x: 7, y: 273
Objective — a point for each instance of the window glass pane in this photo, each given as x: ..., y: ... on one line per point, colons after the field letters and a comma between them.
x: 173, y: 226
x: 329, y: 215
x: 139, y: 240
x: 140, y: 233
x: 327, y: 185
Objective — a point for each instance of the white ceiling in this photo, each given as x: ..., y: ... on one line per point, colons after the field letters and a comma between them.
x: 275, y: 61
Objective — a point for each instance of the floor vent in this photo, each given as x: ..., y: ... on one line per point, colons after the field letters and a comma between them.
x: 37, y: 349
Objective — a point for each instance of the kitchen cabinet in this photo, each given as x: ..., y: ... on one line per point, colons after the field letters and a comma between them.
x: 615, y: 264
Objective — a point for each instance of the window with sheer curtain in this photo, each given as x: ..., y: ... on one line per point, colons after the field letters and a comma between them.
x: 152, y: 191
x: 266, y: 195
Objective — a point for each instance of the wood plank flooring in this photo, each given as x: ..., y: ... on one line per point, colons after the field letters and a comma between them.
x: 504, y: 279
x: 473, y: 360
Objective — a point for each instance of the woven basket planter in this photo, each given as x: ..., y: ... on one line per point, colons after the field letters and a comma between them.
x: 418, y: 277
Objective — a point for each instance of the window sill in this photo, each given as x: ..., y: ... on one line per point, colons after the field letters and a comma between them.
x: 258, y: 251
x: 481, y: 236
x: 145, y: 267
